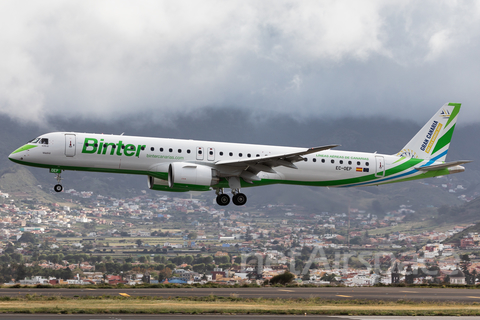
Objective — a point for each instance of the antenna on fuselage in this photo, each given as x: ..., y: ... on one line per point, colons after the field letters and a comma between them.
x: 122, y: 133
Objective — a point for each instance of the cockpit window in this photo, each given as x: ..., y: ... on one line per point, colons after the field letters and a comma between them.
x: 44, y: 141
x: 34, y: 140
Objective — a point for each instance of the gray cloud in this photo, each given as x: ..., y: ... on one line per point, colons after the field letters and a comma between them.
x: 112, y: 59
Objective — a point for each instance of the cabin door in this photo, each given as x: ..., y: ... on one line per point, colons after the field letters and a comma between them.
x: 70, y: 142
x: 380, y: 164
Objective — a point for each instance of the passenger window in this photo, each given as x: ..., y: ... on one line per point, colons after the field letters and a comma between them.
x: 306, y: 159
x: 161, y: 149
x: 240, y: 155
x: 230, y: 154
x: 221, y: 153
x: 341, y: 161
x: 199, y: 151
x: 170, y: 150
x: 332, y: 161
x: 349, y: 162
x: 367, y: 164
x: 249, y: 155
x: 258, y: 155
x: 179, y: 150
x: 152, y: 149
x: 211, y: 153
x: 323, y: 160
x: 314, y: 160
x: 358, y: 163
x: 188, y: 150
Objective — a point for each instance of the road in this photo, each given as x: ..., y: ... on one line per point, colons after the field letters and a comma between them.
x: 339, y: 293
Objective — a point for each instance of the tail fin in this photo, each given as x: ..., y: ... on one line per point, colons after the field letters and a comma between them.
x: 433, y: 140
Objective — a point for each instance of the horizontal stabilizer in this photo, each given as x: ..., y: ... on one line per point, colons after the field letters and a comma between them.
x: 443, y: 165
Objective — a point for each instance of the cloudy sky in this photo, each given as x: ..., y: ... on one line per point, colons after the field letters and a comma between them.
x: 112, y: 59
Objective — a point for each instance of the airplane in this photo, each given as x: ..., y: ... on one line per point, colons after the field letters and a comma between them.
x: 190, y: 165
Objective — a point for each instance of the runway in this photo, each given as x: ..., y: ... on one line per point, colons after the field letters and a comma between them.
x: 214, y: 317
x: 337, y: 293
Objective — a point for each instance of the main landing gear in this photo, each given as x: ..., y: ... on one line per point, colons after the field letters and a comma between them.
x: 238, y: 198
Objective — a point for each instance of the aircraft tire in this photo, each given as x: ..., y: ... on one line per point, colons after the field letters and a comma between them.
x: 58, y: 188
x: 223, y: 199
x: 239, y: 199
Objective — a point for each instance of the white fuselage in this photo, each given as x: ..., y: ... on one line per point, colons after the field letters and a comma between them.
x: 151, y: 156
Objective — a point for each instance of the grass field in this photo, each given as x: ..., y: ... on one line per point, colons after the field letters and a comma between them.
x: 230, y: 305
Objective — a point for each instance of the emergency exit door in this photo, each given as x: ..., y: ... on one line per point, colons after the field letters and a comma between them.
x: 200, y: 153
x: 70, y: 142
x: 211, y: 154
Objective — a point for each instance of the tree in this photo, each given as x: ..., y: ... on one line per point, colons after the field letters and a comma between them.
x: 328, y: 277
x: 188, y: 259
x: 90, y: 226
x: 283, y: 278
x: 143, y: 259
x: 139, y: 242
x: 200, y: 267
x: 28, y: 237
x: 464, y: 265
x: 192, y: 235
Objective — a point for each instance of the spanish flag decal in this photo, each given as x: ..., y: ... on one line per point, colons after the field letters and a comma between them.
x: 359, y: 169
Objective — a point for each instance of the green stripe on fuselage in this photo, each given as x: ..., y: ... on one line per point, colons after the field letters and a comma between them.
x: 24, y: 148
x: 224, y: 184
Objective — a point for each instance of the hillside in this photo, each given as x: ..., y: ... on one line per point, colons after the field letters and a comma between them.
x: 20, y: 182
x: 469, y: 212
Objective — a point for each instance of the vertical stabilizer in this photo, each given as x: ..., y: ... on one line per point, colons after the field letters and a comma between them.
x: 433, y: 140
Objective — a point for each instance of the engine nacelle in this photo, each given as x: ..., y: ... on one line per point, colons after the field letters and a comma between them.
x: 191, y: 176
x: 162, y: 185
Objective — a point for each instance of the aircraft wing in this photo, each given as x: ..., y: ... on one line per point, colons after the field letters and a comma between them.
x: 443, y: 165
x: 268, y: 162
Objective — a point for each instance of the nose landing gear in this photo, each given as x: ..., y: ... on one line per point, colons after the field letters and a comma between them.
x: 58, y: 175
x: 58, y: 188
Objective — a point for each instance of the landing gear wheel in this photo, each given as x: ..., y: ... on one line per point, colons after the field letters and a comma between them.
x: 58, y: 188
x: 239, y: 199
x: 223, y: 199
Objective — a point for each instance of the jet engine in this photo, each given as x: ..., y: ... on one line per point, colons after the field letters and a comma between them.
x: 183, y: 174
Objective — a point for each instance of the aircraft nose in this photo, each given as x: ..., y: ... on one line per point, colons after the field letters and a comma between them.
x: 14, y: 156
x: 20, y: 154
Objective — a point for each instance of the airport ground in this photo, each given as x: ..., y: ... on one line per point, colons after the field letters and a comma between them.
x: 330, y: 293
x: 238, y: 303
